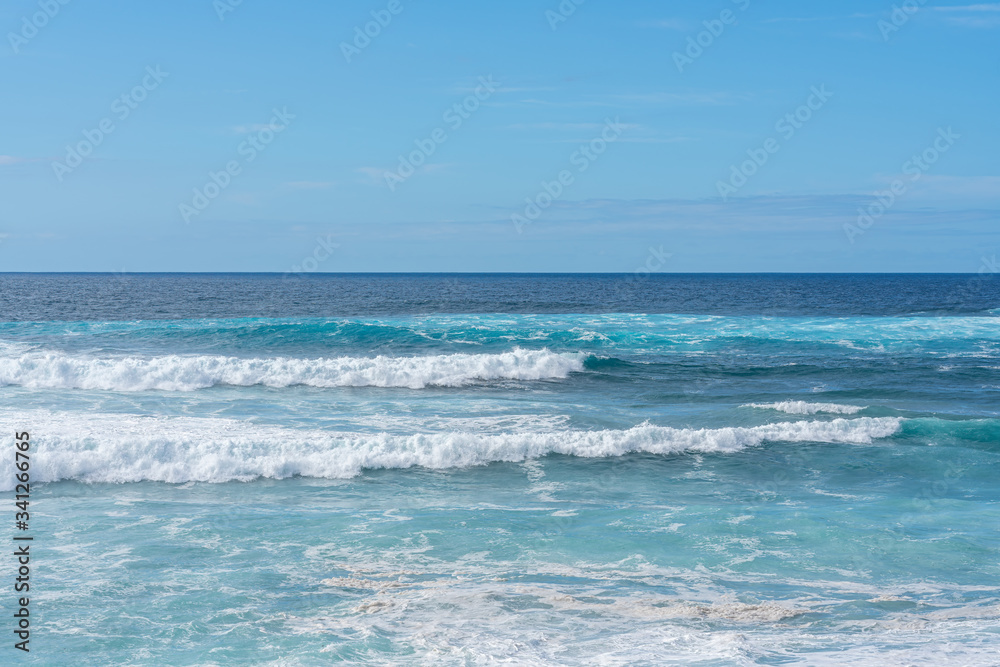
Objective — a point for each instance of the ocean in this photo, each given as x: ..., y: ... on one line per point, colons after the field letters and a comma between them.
x: 523, y: 469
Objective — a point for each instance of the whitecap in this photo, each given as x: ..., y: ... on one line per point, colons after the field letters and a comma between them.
x: 805, y: 408
x: 57, y: 370
x: 126, y: 448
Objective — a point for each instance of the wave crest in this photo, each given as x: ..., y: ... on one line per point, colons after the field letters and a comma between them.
x: 804, y: 408
x: 119, y: 449
x: 54, y: 370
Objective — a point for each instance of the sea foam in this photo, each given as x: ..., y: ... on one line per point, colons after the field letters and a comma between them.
x: 124, y: 448
x: 57, y: 370
x: 804, y: 408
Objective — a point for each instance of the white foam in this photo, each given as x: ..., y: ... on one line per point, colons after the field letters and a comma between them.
x: 122, y: 448
x: 804, y: 408
x: 57, y: 370
x: 477, y: 617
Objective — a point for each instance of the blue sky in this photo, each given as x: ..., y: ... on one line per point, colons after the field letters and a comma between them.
x: 257, y: 136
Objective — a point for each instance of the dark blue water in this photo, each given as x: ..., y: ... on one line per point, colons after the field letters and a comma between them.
x: 72, y: 297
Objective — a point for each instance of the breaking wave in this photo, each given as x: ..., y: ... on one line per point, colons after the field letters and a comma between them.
x: 56, y: 370
x: 118, y: 449
x: 804, y: 408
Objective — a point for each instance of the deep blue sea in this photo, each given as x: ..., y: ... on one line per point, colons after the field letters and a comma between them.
x: 518, y: 469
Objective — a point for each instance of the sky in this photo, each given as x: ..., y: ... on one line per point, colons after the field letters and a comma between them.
x: 527, y: 135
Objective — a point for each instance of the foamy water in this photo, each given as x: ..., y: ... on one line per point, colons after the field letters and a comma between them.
x: 804, y: 408
x: 119, y: 448
x: 187, y: 373
x: 625, y: 488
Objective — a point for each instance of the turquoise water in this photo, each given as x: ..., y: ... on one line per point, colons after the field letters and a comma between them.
x: 542, y: 489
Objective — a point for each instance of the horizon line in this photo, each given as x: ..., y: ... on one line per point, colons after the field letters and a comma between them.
x: 300, y: 274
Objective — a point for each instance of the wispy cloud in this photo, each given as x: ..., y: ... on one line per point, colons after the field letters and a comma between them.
x: 813, y: 19
x: 974, y: 21
x: 972, y: 189
x: 535, y: 102
x: 245, y: 198
x: 506, y: 90
x: 310, y: 185
x: 254, y: 127
x: 568, y: 127
x: 983, y: 15
x: 667, y: 24
x: 10, y: 159
x: 645, y: 135
x: 655, y: 140
x: 758, y: 214
x: 684, y: 99
x: 660, y: 99
x: 972, y: 16
x: 858, y: 36
x: 629, y: 140
x: 376, y: 175
x: 798, y: 19
x: 372, y: 174
x: 989, y: 7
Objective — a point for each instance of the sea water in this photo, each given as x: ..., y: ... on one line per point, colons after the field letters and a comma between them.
x: 698, y: 470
